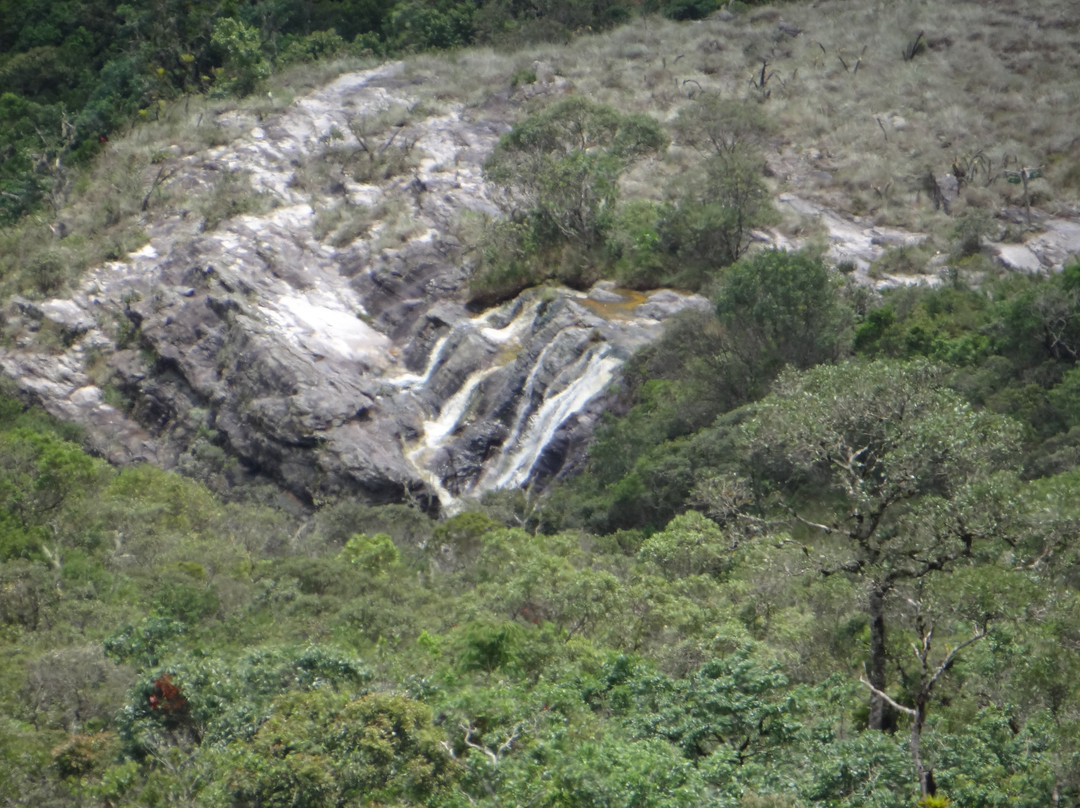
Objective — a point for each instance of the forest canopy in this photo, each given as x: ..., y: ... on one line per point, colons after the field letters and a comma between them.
x: 851, y: 589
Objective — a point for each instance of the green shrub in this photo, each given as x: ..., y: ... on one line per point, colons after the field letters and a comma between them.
x: 245, y: 65
x: 970, y: 230
x: 714, y: 124
x: 375, y: 554
x: 316, y: 45
x: 523, y: 75
x: 903, y: 260
x: 690, y: 9
x: 780, y: 307
x: 634, y: 243
x: 716, y: 212
x: 490, y: 646
x: 565, y: 161
x: 416, y: 26
x: 691, y: 544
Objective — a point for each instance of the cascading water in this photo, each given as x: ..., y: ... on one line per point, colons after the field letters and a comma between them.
x: 335, y: 367
x: 585, y: 380
x: 517, y: 313
x: 496, y: 389
x: 437, y: 431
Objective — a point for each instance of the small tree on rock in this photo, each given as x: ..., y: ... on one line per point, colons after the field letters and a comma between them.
x: 562, y: 165
x: 717, y: 210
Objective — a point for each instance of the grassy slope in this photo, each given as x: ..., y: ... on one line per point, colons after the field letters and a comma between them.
x: 992, y: 81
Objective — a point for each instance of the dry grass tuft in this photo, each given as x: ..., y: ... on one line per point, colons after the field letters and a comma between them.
x: 987, y: 79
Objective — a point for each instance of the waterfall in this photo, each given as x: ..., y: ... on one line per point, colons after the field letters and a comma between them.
x: 496, y: 388
x: 585, y: 383
x: 438, y: 432
x: 526, y: 407
x: 409, y: 381
x: 509, y: 332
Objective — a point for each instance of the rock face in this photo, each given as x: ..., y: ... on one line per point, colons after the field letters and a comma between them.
x: 1056, y: 244
x: 333, y: 364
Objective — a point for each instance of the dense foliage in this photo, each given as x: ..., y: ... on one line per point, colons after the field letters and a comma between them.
x: 561, y: 168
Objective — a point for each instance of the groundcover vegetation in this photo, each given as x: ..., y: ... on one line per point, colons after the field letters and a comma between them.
x: 857, y: 588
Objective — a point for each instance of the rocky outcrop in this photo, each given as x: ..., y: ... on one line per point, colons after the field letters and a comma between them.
x: 333, y: 364
x: 1056, y: 244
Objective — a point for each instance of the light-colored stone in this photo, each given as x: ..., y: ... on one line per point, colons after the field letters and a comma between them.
x: 1018, y: 257
x: 350, y: 370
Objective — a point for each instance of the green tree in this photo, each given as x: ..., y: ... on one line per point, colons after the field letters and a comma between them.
x: 245, y: 65
x: 730, y: 710
x: 902, y: 475
x: 376, y: 554
x: 564, y: 163
x: 691, y: 544
x: 717, y: 210
x: 717, y: 125
x: 42, y: 476
x: 1045, y: 316
x: 321, y: 748
x: 426, y: 26
x: 779, y: 307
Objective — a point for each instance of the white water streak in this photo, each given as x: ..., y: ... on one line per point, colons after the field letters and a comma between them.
x: 438, y: 432
x: 514, y: 468
x: 409, y: 381
x: 510, y: 332
x: 435, y: 432
x: 525, y: 409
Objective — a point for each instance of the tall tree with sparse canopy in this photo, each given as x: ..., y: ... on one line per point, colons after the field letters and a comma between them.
x: 893, y: 470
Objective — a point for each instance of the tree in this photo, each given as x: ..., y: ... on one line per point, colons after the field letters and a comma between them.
x: 779, y: 307
x: 718, y: 210
x: 718, y: 125
x: 564, y: 163
x: 427, y: 26
x: 245, y: 65
x: 907, y: 469
x: 731, y: 709
x: 321, y: 748
x: 41, y: 477
x: 1048, y: 315
x: 928, y: 675
x: 691, y: 544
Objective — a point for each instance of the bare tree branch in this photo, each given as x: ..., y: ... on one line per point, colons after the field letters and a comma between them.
x: 881, y: 694
x: 495, y: 756
x: 947, y: 663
